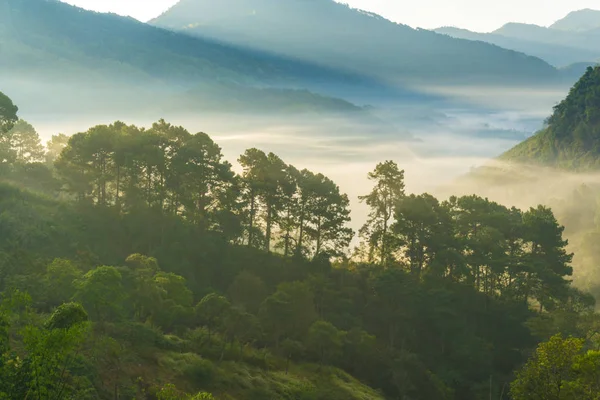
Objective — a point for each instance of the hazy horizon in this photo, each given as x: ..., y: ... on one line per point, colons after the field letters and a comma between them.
x: 480, y: 16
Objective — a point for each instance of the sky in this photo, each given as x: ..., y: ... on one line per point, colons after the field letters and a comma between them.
x: 477, y: 15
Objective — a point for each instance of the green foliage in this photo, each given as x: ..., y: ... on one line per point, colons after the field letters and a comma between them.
x: 41, y: 370
x: 67, y: 316
x: 559, y: 370
x: 8, y: 114
x: 325, y: 341
x: 571, y: 139
x: 170, y: 392
x: 389, y: 188
x: 101, y: 292
x: 247, y: 291
x: 59, y: 281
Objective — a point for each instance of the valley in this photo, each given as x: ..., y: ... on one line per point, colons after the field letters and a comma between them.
x: 296, y: 200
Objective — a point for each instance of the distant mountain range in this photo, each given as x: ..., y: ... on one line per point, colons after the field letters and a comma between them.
x: 328, y: 33
x: 579, y: 21
x: 67, y: 58
x: 272, y: 56
x: 571, y: 139
x: 573, y: 39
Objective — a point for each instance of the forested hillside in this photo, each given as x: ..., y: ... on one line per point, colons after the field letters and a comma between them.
x: 134, y: 263
x: 571, y: 139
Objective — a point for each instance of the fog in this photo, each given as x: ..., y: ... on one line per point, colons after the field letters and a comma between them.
x: 433, y: 143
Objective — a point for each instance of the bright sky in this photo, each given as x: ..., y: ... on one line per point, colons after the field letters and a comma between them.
x: 477, y: 15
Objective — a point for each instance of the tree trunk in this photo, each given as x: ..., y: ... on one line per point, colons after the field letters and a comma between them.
x: 251, y: 224
x: 269, y: 223
x: 301, y: 234
x: 318, y: 249
x: 384, y: 240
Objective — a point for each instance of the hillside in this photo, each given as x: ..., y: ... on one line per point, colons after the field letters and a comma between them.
x: 332, y: 34
x: 103, y: 61
x: 571, y: 139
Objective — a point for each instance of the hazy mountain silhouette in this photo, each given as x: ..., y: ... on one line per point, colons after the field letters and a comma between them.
x: 577, y: 21
x: 580, y: 39
x: 330, y: 33
x: 47, y: 46
x: 559, y: 55
x: 571, y: 139
x: 571, y: 40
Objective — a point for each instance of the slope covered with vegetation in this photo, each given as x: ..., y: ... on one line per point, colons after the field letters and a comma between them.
x: 134, y: 263
x: 571, y: 139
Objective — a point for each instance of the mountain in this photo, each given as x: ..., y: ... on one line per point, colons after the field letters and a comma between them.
x: 59, y: 56
x: 571, y: 40
x: 577, y: 21
x: 586, y: 39
x: 571, y: 139
x: 333, y: 34
x: 559, y: 55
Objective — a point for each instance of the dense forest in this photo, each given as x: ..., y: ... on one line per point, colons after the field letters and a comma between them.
x: 136, y: 264
x: 571, y: 138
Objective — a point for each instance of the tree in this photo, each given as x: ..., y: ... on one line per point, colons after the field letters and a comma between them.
x: 247, y: 292
x: 211, y: 311
x: 547, y: 258
x: 329, y: 213
x: 388, y: 190
x: 290, y: 202
x: 8, y: 114
x: 424, y: 232
x: 291, y: 349
x: 26, y: 143
x: 254, y: 162
x: 87, y: 164
x: 325, y: 341
x: 586, y: 385
x: 289, y: 312
x: 202, y: 177
x: 49, y: 354
x: 546, y: 374
x: 101, y: 292
x: 264, y: 176
x: 67, y: 316
x: 54, y: 147
x: 175, y: 301
x: 59, y: 281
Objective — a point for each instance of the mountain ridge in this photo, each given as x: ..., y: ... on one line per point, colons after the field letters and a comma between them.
x: 54, y: 44
x: 570, y: 40
x: 579, y: 20
x: 402, y: 53
x: 558, y: 55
